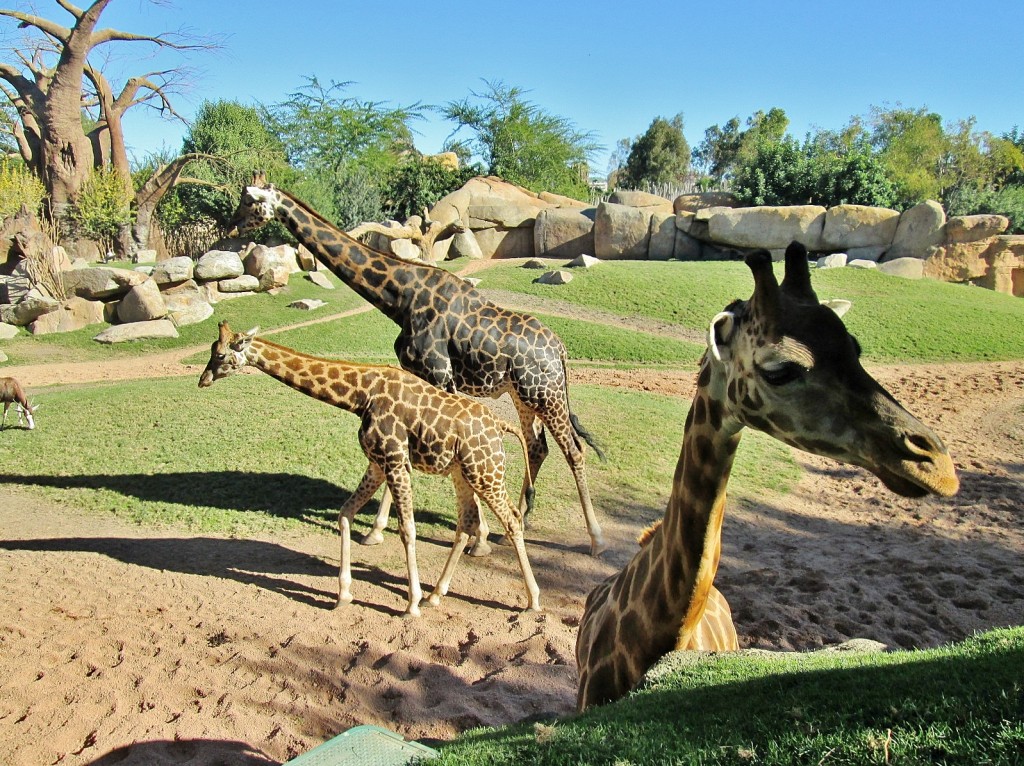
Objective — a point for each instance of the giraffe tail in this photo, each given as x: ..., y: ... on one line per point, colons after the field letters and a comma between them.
x: 509, y: 427
x: 577, y: 427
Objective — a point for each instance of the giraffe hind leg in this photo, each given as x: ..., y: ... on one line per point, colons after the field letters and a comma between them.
x: 369, y: 484
x: 468, y: 524
x: 376, y: 534
x: 497, y: 500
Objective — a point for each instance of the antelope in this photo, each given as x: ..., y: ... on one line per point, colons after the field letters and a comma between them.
x: 11, y: 392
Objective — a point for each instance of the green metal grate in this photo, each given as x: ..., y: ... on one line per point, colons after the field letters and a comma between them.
x: 364, y: 746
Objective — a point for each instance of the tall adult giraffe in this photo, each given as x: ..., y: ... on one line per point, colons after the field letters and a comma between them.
x: 783, y: 364
x: 450, y: 335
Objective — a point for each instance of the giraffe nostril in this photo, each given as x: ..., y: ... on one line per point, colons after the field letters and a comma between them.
x: 920, y: 446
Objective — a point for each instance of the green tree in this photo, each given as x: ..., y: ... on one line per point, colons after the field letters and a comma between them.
x: 659, y: 157
x: 724, y: 149
x: 913, y: 146
x: 522, y: 143
x: 419, y: 182
x: 343, y: 147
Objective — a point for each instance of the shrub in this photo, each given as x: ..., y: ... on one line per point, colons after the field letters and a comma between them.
x: 103, y: 207
x: 420, y: 182
x: 18, y: 186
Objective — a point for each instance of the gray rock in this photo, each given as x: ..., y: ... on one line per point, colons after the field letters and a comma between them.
x: 464, y: 245
x: 865, y: 253
x: 145, y: 256
x: 662, y: 245
x: 3, y: 357
x: 142, y: 303
x: 241, y: 284
x: 554, y: 278
x: 406, y: 249
x: 124, y: 333
x: 768, y: 226
x: 834, y: 261
x: 583, y: 261
x: 217, y: 265
x: 535, y: 263
x: 849, y: 226
x: 307, y: 304
x: 7, y: 331
x: 621, y: 232
x: 74, y: 314
x: 920, y: 228
x: 187, y: 307
x: 173, y: 271
x: 320, y: 280
x: 28, y: 311
x: 908, y: 268
x: 861, y: 263
x: 564, y: 232
x: 100, y: 282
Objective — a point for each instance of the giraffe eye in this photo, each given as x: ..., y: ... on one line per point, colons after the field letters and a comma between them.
x: 781, y: 374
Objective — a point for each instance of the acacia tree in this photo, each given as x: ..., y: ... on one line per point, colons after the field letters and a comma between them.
x: 49, y: 80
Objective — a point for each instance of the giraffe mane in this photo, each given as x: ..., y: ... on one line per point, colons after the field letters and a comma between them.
x: 648, y: 533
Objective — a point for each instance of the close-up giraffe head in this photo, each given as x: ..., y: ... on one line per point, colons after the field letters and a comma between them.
x: 791, y: 369
x: 227, y: 354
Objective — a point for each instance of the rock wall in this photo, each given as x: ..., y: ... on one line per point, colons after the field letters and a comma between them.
x: 508, y: 221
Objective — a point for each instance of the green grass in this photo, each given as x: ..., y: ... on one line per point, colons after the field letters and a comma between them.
x: 962, y: 704
x: 896, y: 320
x: 251, y: 455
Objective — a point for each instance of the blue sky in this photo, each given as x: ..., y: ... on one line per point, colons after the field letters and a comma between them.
x: 609, y: 67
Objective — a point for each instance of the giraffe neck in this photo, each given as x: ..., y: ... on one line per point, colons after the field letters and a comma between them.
x: 681, y: 558
x: 338, y: 383
x: 387, y: 282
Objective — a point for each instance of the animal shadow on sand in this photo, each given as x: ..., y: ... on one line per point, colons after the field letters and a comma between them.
x: 293, y: 496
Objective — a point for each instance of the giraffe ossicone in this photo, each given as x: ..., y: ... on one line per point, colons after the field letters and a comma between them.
x: 450, y: 335
x: 781, y: 363
x: 406, y: 423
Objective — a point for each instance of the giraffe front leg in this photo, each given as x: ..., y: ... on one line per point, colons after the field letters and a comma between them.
x: 400, y: 484
x: 481, y: 545
x: 369, y: 484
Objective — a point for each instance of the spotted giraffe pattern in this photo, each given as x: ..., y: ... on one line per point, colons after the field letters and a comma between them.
x: 780, y: 363
x: 450, y: 335
x: 405, y: 422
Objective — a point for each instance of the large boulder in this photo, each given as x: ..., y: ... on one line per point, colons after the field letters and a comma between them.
x: 1006, y: 273
x: 641, y: 199
x: 505, y: 243
x: 261, y: 259
x: 920, y: 228
x: 185, y: 307
x: 173, y: 271
x: 74, y: 314
x: 142, y: 303
x: 123, y: 333
x: 564, y: 232
x: 691, y: 203
x: 495, y: 212
x: 464, y: 245
x: 621, y: 232
x: 767, y: 226
x: 28, y: 310
x: 848, y: 226
x: 958, y: 262
x: 100, y: 282
x: 246, y: 283
x: 961, y: 229
x: 908, y: 268
x: 218, y: 264
x: 662, y: 243
x: 8, y: 331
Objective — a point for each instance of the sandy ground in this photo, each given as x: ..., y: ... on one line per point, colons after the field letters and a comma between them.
x: 121, y: 645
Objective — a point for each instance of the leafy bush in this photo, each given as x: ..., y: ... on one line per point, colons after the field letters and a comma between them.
x: 103, y: 207
x: 420, y: 182
x: 1008, y: 201
x: 18, y: 186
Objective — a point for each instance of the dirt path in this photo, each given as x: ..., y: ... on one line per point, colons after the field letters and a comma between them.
x: 148, y: 646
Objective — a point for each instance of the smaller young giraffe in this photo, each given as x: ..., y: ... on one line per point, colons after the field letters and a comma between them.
x: 781, y: 363
x: 406, y: 423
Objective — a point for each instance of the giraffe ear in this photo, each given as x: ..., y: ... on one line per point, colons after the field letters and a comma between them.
x: 838, y: 305
x: 252, y: 333
x: 720, y: 333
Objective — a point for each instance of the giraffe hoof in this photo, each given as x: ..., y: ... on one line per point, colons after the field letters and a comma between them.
x: 480, y: 548
x: 372, y: 538
x: 432, y: 600
x: 341, y: 603
x: 410, y: 612
x: 597, y: 547
x: 504, y: 540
